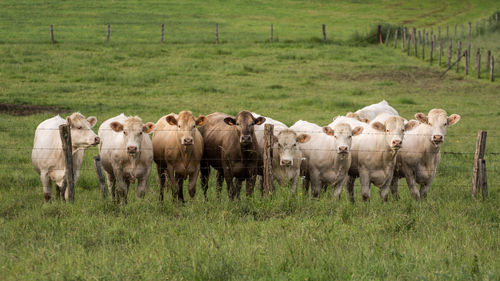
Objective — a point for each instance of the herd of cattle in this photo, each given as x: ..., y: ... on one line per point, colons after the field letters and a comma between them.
x: 374, y: 143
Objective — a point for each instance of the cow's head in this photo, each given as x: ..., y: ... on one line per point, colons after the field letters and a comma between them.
x: 133, y: 131
x: 342, y: 135
x: 439, y: 121
x: 394, y: 128
x: 82, y: 135
x: 244, y: 123
x: 186, y: 126
x: 286, y: 142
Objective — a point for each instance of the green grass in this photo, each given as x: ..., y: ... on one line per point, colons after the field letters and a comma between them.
x: 448, y: 236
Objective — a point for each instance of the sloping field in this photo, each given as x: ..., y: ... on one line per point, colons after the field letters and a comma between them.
x: 447, y: 236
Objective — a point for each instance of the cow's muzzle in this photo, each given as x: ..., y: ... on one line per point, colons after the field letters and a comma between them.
x: 286, y: 162
x: 131, y: 149
x: 246, y: 139
x: 188, y: 141
x: 343, y: 149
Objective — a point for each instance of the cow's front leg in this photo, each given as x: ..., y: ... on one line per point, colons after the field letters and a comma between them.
x: 162, y: 177
x: 141, y: 186
x: 412, y: 185
x: 364, y: 179
x: 293, y: 185
x: 395, y: 187
x: 180, y: 187
x: 337, y: 188
x: 424, y: 188
x: 315, y: 183
x: 121, y: 185
x: 350, y: 188
x: 47, y: 185
x: 192, y: 183
x: 249, y: 184
x: 111, y: 181
x: 384, y: 190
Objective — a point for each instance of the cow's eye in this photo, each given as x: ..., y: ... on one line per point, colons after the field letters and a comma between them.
x: 140, y: 133
x: 194, y: 126
x: 237, y: 123
x: 179, y: 126
x: 350, y: 136
x: 445, y: 124
x: 125, y: 133
x: 80, y: 127
x: 294, y: 145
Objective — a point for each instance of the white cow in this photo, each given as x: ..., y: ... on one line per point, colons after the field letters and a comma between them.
x: 368, y: 113
x: 126, y: 154
x: 48, y: 157
x: 374, y: 152
x: 287, y: 157
x: 327, y: 154
x: 259, y: 130
x: 419, y: 157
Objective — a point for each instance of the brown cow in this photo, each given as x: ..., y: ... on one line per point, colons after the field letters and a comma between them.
x: 230, y: 148
x: 177, y: 151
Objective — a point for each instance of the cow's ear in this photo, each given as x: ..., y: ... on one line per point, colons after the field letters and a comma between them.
x: 92, y: 121
x: 351, y: 115
x: 364, y: 120
x: 303, y: 138
x: 378, y: 126
x: 327, y: 130
x: 412, y: 124
x: 148, y: 127
x: 230, y: 121
x: 171, y: 120
x: 116, y: 126
x: 357, y: 130
x: 422, y: 118
x: 68, y: 120
x: 201, y: 120
x: 453, y: 119
x: 260, y: 120
x: 337, y: 117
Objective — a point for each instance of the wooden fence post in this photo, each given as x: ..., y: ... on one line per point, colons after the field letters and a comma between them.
x: 450, y: 52
x: 432, y: 48
x: 478, y: 62
x: 216, y: 33
x: 271, y: 34
x: 447, y: 31
x: 478, y: 157
x: 459, y: 54
x: 469, y: 30
x: 403, y: 39
x: 440, y: 51
x: 492, y: 68
x: 108, y: 33
x: 395, y: 38
x: 162, y: 32
x: 52, y: 34
x: 100, y: 176
x: 415, y: 42
x: 466, y: 62
x: 488, y: 56
x: 496, y: 17
x: 423, y: 37
x: 423, y: 50
x: 324, y: 33
x: 455, y: 34
x: 468, y: 56
x: 387, y: 36
x: 268, y: 146
x: 439, y: 33
x: 419, y: 37
x: 462, y: 31
x: 65, y: 134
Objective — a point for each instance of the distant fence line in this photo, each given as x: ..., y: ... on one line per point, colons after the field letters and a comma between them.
x: 416, y: 40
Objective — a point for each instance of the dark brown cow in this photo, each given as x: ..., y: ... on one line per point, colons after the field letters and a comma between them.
x: 230, y: 148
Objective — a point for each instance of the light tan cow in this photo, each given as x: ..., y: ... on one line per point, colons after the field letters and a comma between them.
x: 47, y: 155
x: 368, y: 113
x: 178, y: 147
x: 420, y: 154
x: 374, y: 152
x: 126, y: 153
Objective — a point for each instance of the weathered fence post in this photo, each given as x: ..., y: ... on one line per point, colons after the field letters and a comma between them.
x: 468, y: 56
x: 466, y: 62
x: 419, y: 37
x: 403, y: 39
x: 440, y: 51
x: 488, y: 56
x: 459, y: 54
x: 423, y: 50
x: 162, y: 32
x: 65, y: 134
x: 108, y: 33
x: 478, y: 157
x: 492, y: 68
x: 439, y: 33
x: 395, y: 38
x: 271, y: 34
x: 496, y: 17
x: 216, y: 33
x: 469, y: 30
x: 450, y: 51
x: 324, y: 33
x: 478, y: 62
x: 415, y: 42
x: 423, y: 37
x: 100, y: 176
x: 268, y: 146
x: 455, y: 34
x: 432, y: 48
x: 379, y: 34
x: 387, y: 36
x: 462, y: 31
x: 52, y: 34
x: 447, y: 31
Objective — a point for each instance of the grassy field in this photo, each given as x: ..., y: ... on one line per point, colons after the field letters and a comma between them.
x: 447, y: 236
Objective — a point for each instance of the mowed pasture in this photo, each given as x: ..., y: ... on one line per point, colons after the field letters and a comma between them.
x: 447, y: 236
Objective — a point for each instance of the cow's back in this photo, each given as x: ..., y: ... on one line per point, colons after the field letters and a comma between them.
x: 217, y: 136
x: 47, y: 145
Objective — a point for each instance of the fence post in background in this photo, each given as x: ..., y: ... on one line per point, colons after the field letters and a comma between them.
x: 478, y: 157
x: 462, y: 31
x: 468, y: 56
x: 492, y: 68
x: 432, y: 48
x: 216, y: 33
x: 409, y: 43
x: 379, y: 33
x: 450, y: 51
x: 469, y: 27
x: 432, y: 32
x: 447, y: 32
x: 423, y: 50
x: 108, y: 33
x: 52, y: 34
x: 439, y: 33
x: 268, y: 146
x: 415, y: 42
x: 496, y: 17
x: 459, y: 54
x: 387, y: 36
x: 100, y: 176
x: 478, y: 62
x: 440, y: 51
x: 423, y: 37
x: 488, y: 55
x: 65, y: 134
x: 455, y: 34
x: 426, y: 39
x: 466, y: 62
x: 162, y: 32
x: 403, y: 39
x: 419, y: 37
x: 271, y: 34
x: 395, y: 38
